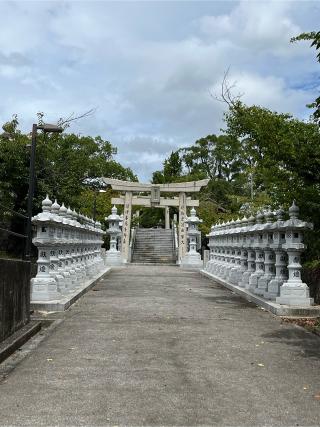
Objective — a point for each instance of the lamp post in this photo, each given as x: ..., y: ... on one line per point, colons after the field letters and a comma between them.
x: 47, y: 128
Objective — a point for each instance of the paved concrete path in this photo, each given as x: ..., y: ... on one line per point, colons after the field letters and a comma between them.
x: 160, y: 346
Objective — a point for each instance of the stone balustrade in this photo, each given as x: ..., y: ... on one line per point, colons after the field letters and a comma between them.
x: 262, y: 254
x: 69, y: 252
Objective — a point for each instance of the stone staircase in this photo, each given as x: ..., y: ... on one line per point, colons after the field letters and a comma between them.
x: 153, y: 246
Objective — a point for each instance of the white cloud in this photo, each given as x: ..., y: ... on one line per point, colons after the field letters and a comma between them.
x: 149, y: 67
x: 256, y: 26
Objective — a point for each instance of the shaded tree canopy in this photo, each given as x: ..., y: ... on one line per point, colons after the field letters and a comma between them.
x: 65, y: 163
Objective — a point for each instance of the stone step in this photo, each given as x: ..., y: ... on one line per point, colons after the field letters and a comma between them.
x: 148, y: 249
x: 153, y: 253
x: 154, y: 260
x: 153, y: 246
x: 165, y: 247
x: 143, y: 235
x: 151, y: 241
x: 153, y: 234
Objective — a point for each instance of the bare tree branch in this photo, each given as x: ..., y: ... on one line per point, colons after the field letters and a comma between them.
x: 65, y: 122
x: 226, y: 96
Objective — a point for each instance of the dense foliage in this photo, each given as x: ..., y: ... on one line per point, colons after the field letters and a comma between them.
x: 263, y: 158
x: 66, y: 165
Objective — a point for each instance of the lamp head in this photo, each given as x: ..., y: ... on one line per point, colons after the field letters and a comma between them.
x: 49, y: 128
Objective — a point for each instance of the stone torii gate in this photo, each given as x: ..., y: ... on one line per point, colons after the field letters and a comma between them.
x: 154, y: 200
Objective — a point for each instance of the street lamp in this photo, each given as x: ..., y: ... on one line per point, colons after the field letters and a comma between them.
x: 47, y: 128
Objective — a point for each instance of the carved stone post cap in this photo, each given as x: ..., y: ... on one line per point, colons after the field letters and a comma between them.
x: 69, y: 213
x: 259, y: 217
x: 280, y: 214
x: 268, y: 215
x: 293, y: 210
x: 62, y: 210
x: 46, y: 204
x: 251, y: 220
x: 55, y: 207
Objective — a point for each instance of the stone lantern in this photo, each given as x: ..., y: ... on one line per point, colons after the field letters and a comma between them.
x: 258, y: 248
x: 269, y: 258
x: 220, y: 252
x: 280, y: 257
x: 294, y: 291
x: 44, y: 286
x: 113, y: 255
x: 244, y: 251
x: 251, y: 255
x: 192, y: 258
x: 235, y: 275
x: 226, y: 238
x: 54, y: 254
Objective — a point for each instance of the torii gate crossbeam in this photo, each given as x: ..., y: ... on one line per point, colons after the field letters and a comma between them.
x: 129, y: 187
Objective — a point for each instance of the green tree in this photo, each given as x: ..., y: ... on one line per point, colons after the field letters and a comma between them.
x: 213, y: 157
x: 315, y: 38
x: 64, y: 163
x: 172, y: 167
x: 283, y: 155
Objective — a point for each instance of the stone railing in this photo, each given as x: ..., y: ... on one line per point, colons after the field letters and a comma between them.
x: 262, y: 255
x: 69, y: 252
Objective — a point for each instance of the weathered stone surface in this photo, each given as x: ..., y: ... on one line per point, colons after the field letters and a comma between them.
x: 164, y: 346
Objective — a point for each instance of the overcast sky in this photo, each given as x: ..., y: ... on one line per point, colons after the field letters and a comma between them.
x: 148, y: 68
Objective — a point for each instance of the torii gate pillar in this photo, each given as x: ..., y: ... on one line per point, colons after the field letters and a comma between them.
x: 182, y: 225
x: 167, y: 218
x: 126, y: 225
